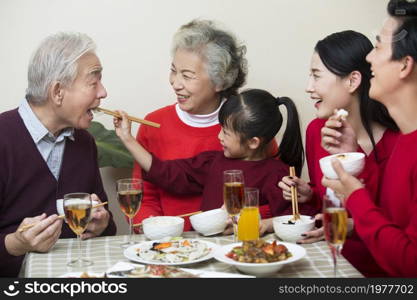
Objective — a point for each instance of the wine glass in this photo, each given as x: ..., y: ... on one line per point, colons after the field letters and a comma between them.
x: 335, y: 226
x: 233, y: 185
x: 248, y: 224
x: 77, y: 209
x: 129, y: 194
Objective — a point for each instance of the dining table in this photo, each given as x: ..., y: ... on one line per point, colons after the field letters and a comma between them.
x: 106, y: 251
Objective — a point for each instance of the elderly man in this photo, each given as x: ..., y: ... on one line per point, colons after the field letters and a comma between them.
x: 46, y: 152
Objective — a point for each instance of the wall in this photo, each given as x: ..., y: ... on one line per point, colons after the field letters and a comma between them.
x: 134, y: 37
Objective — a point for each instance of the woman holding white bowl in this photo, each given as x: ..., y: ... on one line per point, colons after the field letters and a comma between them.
x: 340, y: 79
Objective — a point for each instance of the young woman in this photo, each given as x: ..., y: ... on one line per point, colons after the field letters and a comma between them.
x: 388, y: 226
x: 249, y: 121
x: 340, y: 78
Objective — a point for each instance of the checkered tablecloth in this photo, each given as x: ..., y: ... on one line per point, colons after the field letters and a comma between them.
x: 106, y: 251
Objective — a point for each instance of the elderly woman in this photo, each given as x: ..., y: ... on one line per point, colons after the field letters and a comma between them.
x: 46, y: 151
x: 208, y: 65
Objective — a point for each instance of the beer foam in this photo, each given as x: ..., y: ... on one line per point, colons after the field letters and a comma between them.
x: 76, y: 201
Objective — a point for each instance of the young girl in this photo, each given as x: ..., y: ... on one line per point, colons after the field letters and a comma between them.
x: 249, y: 122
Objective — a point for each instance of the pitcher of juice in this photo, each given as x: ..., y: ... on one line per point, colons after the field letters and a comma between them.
x: 248, y: 224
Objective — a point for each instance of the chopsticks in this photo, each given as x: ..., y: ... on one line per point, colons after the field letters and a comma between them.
x: 294, y: 198
x: 99, y: 205
x: 137, y: 120
x: 26, y: 227
x: 184, y: 215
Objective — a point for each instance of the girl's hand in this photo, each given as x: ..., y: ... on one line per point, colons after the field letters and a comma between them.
x: 265, y: 226
x: 303, y: 188
x: 338, y: 136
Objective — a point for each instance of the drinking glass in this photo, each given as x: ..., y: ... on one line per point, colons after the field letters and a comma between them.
x: 335, y: 226
x: 77, y: 209
x: 129, y: 195
x: 233, y: 185
x: 248, y: 224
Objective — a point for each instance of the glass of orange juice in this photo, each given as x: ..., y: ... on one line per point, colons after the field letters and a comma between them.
x: 248, y: 224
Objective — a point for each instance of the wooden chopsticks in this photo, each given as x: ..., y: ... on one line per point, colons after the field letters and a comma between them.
x: 137, y: 120
x: 294, y: 198
x: 26, y: 227
x: 184, y: 215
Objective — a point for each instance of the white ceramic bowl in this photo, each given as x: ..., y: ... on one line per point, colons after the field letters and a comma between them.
x: 259, y: 270
x: 159, y: 227
x: 292, y: 232
x: 210, y: 222
x: 352, y: 162
x: 60, y: 206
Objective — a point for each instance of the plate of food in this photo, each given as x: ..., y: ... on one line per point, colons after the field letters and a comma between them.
x: 259, y: 258
x: 171, y: 251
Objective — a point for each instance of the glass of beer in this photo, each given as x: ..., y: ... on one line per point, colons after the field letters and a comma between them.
x: 129, y: 195
x: 77, y: 209
x: 233, y: 185
x: 335, y: 226
x: 248, y: 224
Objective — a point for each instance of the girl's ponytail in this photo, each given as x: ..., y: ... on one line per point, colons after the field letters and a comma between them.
x: 291, y: 150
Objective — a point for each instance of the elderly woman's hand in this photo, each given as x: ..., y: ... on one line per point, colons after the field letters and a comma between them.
x: 338, y: 136
x: 345, y: 185
x: 304, y: 190
x: 40, y: 238
x: 99, y: 221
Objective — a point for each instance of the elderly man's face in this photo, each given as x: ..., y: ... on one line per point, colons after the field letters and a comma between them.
x: 84, y: 94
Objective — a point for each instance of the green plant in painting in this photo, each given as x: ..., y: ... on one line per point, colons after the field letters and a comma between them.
x: 111, y: 151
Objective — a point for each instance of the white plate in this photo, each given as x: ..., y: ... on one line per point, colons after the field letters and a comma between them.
x: 78, y: 275
x: 264, y: 269
x: 124, y: 266
x: 130, y: 253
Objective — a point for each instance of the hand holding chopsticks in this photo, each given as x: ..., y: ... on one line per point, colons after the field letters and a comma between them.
x: 294, y: 198
x: 26, y: 227
x: 137, y: 120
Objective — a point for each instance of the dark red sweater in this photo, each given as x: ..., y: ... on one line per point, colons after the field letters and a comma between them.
x: 28, y: 188
x: 204, y: 174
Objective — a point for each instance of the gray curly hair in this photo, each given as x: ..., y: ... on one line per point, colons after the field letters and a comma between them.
x: 224, y: 56
x: 56, y: 59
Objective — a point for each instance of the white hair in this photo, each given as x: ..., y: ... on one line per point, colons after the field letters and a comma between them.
x: 56, y: 59
x: 225, y: 58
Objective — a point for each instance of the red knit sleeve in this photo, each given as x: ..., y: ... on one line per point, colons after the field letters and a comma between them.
x: 313, y: 141
x: 393, y: 248
x: 151, y: 204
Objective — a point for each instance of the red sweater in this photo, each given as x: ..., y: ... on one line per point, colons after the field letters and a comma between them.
x: 389, y: 227
x: 173, y: 140
x: 354, y: 249
x: 204, y: 174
